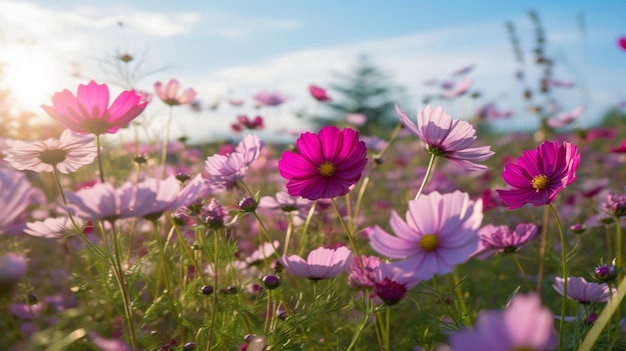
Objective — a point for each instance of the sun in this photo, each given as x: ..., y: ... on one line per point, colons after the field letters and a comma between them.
x: 30, y: 74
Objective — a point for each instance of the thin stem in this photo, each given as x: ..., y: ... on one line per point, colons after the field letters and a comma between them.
x: 429, y: 170
x: 460, y: 296
x: 186, y: 247
x: 166, y: 139
x: 521, y: 270
x: 267, y: 234
x: 119, y: 276
x: 305, y: 229
x: 348, y: 233
x: 564, y: 264
x: 288, y: 234
x: 443, y: 302
x: 216, y: 252
x: 620, y: 249
x: 99, y: 153
x: 387, y: 336
x: 542, y: 248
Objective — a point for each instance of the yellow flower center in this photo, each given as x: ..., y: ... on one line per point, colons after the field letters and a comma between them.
x: 326, y: 169
x: 429, y: 242
x: 540, y: 182
x: 52, y: 157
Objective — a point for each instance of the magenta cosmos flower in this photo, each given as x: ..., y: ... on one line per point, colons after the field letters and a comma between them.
x: 89, y: 111
x: 502, y: 239
x: 540, y: 174
x: 621, y: 42
x: 440, y: 232
x: 325, y: 164
x: 170, y: 94
x: 580, y: 290
x: 524, y: 325
x: 318, y: 93
x: 70, y: 152
x: 321, y: 263
x: 392, y: 282
x: 447, y: 137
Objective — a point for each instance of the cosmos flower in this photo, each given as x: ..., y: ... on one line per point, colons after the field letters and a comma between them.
x: 54, y: 228
x: 89, y: 111
x: 318, y: 93
x: 392, y: 281
x: 284, y: 202
x: 524, y: 325
x: 363, y: 277
x: 463, y: 70
x: 170, y: 94
x: 490, y: 111
x: 580, y: 290
x: 225, y: 170
x: 540, y: 174
x: 502, y: 239
x: 321, y: 263
x: 153, y: 196
x: 70, y: 152
x: 15, y: 194
x: 440, y: 232
x: 621, y: 149
x: 325, y: 164
x: 615, y: 204
x: 101, y: 202
x: 269, y: 99
x: 244, y: 122
x: 458, y: 89
x: 447, y: 137
x: 565, y: 119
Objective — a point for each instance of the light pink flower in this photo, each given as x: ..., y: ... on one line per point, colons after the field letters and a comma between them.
x: 440, y: 232
x: 171, y: 96
x: 565, y: 119
x: 363, y: 277
x: 269, y: 99
x: 54, y: 228
x: 101, y: 202
x: 15, y: 197
x: 459, y: 89
x: 321, y: 263
x: 89, y: 111
x: 153, y: 196
x: 580, y: 290
x: 524, y: 325
x: 447, y: 137
x: 502, y: 239
x: 225, y: 170
x: 70, y: 152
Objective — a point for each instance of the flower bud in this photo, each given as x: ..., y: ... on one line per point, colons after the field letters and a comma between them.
x: 606, y: 273
x: 271, y: 281
x: 248, y: 204
x: 207, y: 290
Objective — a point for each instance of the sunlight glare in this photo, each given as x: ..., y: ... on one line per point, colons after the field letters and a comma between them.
x: 30, y: 74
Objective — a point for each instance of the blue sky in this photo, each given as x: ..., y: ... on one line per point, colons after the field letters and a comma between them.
x: 238, y: 48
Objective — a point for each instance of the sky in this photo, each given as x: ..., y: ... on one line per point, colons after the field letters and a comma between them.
x: 235, y: 49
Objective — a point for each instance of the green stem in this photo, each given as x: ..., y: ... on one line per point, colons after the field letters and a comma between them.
x: 99, y: 153
x: 620, y: 249
x: 564, y: 264
x: 458, y: 290
x: 187, y: 249
x: 348, y: 233
x: 387, y: 336
x: 603, y: 319
x: 444, y: 303
x: 521, y: 270
x: 216, y: 252
x: 305, y: 229
x: 288, y: 234
x: 542, y: 248
x: 119, y: 276
x: 267, y: 234
x: 166, y: 139
x: 429, y: 170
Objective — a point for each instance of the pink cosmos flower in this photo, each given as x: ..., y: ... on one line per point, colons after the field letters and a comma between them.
x: 490, y: 111
x: 15, y: 194
x: 89, y: 111
x: 440, y: 232
x: 325, y: 164
x: 447, y: 137
x: 54, y: 228
x: 269, y: 99
x: 540, y: 174
x: 153, y: 197
x: 70, y: 152
x: 615, y: 204
x: 565, y: 119
x: 458, y: 89
x: 580, y: 290
x: 101, y: 201
x: 318, y: 93
x: 284, y: 202
x: 225, y: 170
x: 620, y: 149
x: 502, y: 239
x: 321, y: 263
x: 463, y: 70
x: 524, y: 325
x: 392, y: 281
x: 363, y: 277
x: 244, y: 122
x: 170, y: 94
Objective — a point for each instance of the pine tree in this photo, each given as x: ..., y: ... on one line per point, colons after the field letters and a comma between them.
x: 366, y: 90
